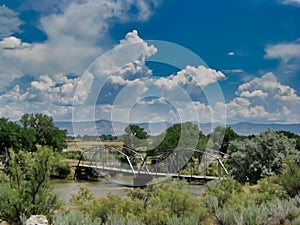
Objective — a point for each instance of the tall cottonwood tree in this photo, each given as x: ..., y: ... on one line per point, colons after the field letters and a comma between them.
x: 46, y: 133
x: 184, y: 135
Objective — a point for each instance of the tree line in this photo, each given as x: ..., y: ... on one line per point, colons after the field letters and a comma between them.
x: 31, y: 131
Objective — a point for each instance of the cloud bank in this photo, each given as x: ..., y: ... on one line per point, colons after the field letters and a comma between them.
x: 78, y: 31
x: 76, y: 34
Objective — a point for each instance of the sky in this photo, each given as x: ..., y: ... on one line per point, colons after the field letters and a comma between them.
x: 151, y: 60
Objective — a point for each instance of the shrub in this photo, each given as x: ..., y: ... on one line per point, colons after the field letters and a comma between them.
x: 154, y: 204
x: 73, y: 218
x: 72, y: 155
x: 183, y: 220
x: 25, y: 189
x: 289, y: 179
x: 284, y: 209
x: 221, y: 191
x: 239, y: 214
x: 260, y: 157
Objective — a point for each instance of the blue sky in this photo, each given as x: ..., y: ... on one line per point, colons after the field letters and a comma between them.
x: 251, y: 49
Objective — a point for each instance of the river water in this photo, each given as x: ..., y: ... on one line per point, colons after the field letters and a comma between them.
x: 65, y: 188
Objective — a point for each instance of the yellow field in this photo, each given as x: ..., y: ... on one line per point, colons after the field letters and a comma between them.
x: 93, y: 143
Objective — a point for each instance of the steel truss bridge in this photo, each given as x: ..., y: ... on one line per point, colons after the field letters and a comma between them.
x: 111, y: 162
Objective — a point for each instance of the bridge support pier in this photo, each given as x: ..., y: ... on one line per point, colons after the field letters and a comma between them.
x: 142, y: 180
x: 86, y: 173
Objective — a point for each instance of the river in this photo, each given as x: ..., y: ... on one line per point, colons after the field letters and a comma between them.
x: 65, y: 188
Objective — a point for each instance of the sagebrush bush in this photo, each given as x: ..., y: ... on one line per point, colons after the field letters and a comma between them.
x: 75, y: 218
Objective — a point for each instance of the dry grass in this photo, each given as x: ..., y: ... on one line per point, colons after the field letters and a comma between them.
x: 94, y: 143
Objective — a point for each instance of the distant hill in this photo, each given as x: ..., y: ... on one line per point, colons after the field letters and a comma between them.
x: 252, y: 128
x: 245, y: 128
x: 116, y: 128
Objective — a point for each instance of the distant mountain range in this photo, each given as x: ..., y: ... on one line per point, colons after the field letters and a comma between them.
x: 252, y: 128
x: 116, y: 128
x: 108, y: 127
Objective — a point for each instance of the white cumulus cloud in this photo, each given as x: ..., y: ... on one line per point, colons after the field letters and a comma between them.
x: 268, y: 83
x: 10, y: 42
x: 283, y: 51
x: 264, y: 99
x: 197, y: 76
x: 255, y: 93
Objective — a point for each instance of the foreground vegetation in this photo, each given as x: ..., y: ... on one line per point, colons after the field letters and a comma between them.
x: 264, y: 187
x: 25, y: 187
x: 225, y: 202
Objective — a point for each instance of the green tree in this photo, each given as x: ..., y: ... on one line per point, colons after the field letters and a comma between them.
x: 201, y: 145
x: 221, y: 137
x: 177, y: 138
x: 134, y: 140
x: 134, y: 136
x: 108, y: 137
x: 185, y: 135
x: 292, y: 135
x: 262, y: 156
x: 25, y: 189
x: 10, y: 136
x: 216, y: 138
x: 229, y: 136
x: 169, y: 139
x: 46, y: 134
x: 202, y: 141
